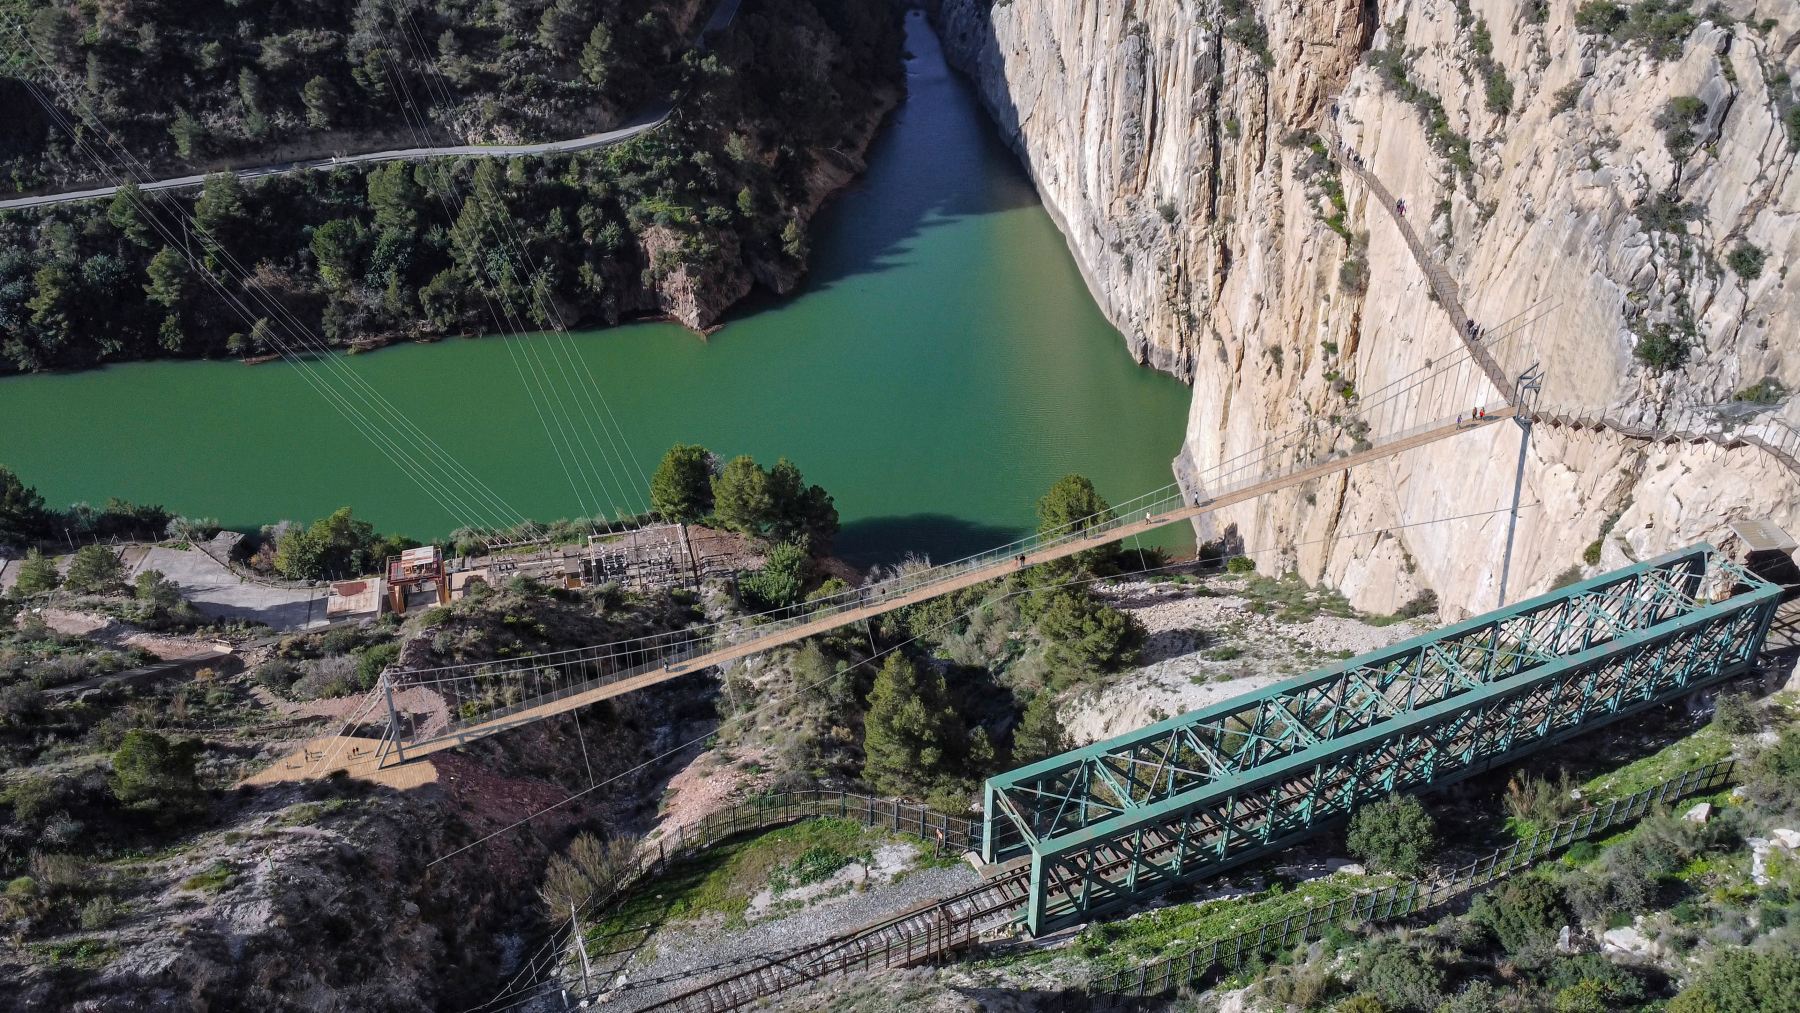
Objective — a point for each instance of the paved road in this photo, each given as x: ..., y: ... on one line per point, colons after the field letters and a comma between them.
x: 646, y: 120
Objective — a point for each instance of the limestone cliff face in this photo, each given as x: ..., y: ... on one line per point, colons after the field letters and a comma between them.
x: 1170, y: 139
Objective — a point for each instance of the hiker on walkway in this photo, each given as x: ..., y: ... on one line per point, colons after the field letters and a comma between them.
x: 1459, y: 422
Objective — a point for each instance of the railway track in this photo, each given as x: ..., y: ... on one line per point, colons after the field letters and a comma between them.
x: 927, y: 934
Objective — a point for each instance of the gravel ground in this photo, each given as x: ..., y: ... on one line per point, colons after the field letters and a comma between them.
x: 1205, y: 649
x: 685, y: 947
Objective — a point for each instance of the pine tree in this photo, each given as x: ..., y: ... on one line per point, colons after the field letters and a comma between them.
x: 681, y: 489
x: 911, y: 736
x: 126, y: 214
x: 37, y: 574
x: 1041, y: 732
x: 741, y: 496
x: 1070, y: 507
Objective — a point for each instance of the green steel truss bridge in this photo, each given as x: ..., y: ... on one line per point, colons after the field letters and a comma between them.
x: 1104, y: 826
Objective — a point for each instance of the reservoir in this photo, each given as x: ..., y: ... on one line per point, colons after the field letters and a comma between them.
x: 940, y: 367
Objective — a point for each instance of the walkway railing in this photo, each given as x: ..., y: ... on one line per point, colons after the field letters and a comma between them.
x: 1442, y: 285
x: 1698, y: 424
x: 1232, y: 952
x: 540, y: 975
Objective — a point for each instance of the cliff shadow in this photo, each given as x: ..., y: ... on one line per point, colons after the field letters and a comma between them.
x: 936, y: 162
x: 887, y: 540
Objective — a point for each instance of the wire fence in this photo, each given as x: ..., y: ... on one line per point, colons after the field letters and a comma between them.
x: 947, y: 833
x: 1400, y: 900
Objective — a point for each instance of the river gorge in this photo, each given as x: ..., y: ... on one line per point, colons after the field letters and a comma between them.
x: 942, y: 365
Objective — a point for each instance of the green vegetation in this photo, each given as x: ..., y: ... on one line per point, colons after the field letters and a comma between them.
x: 214, y: 878
x: 1658, y: 27
x: 1497, y: 86
x: 1677, y: 120
x: 337, y: 546
x: 1662, y: 348
x: 94, y: 570
x: 154, y: 774
x: 1121, y: 943
x: 222, y: 78
x: 1244, y: 27
x: 362, y: 254
x: 782, y: 581
x: 1768, y: 390
x: 1746, y: 261
x: 24, y: 520
x: 774, y: 504
x: 913, y: 740
x: 37, y: 574
x: 723, y: 880
x: 1707, y: 745
x: 1743, y: 981
x: 1395, y: 834
x: 1392, y: 63
x: 681, y: 489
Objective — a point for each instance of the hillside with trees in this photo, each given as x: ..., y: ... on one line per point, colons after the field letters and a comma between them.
x: 681, y: 221
x: 197, y: 83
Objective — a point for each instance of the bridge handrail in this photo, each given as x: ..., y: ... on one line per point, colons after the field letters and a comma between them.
x: 684, y: 645
x: 1766, y: 431
x: 1400, y: 900
x: 719, y: 827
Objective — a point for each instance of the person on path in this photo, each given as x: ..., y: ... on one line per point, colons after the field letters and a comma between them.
x: 1459, y: 422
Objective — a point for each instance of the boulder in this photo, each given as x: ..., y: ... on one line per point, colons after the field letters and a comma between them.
x: 1700, y: 813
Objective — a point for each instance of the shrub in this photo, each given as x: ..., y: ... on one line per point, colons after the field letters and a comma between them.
x: 1523, y: 912
x: 782, y: 580
x: 1677, y: 121
x: 1395, y: 834
x: 1746, y: 261
x: 37, y: 574
x: 1599, y: 17
x: 1353, y: 275
x: 375, y: 660
x: 94, y: 570
x: 1661, y: 349
x: 1735, y: 714
x: 1240, y: 565
x: 150, y: 772
x: 1743, y: 981
x: 592, y: 864
x: 99, y: 913
x: 1396, y: 976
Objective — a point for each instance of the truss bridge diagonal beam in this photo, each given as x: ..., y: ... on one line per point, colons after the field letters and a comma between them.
x: 607, y: 676
x: 1662, y: 638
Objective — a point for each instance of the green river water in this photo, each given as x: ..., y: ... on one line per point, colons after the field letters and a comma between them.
x: 942, y: 365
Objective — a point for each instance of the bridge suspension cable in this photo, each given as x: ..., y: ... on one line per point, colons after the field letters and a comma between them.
x: 491, y: 696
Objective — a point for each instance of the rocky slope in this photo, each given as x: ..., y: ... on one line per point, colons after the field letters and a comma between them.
x: 1167, y: 136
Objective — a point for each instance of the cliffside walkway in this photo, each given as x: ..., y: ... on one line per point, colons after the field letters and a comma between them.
x: 1694, y: 426
x: 1444, y: 287
x: 643, y: 122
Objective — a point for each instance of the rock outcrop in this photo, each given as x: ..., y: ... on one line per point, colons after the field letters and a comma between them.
x: 1627, y: 203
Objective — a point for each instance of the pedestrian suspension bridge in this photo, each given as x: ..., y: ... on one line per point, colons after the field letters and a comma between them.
x: 429, y: 709
x: 469, y: 702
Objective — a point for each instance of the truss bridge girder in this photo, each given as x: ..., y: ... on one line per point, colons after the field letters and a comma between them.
x: 1307, y: 751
